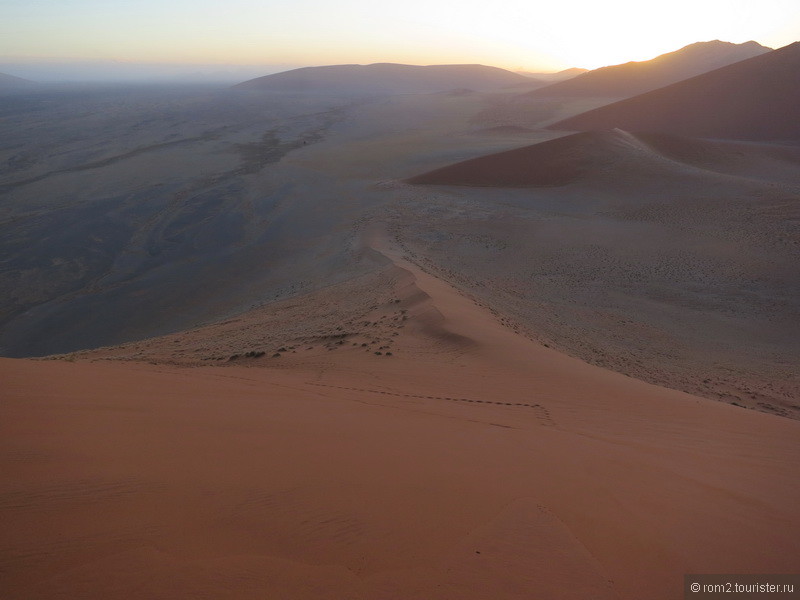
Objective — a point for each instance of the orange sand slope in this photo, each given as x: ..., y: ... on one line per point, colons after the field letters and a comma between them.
x: 475, y: 464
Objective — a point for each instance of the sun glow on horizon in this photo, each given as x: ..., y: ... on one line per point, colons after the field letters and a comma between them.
x: 508, y: 33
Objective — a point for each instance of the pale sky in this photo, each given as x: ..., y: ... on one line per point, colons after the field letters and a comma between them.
x: 514, y: 34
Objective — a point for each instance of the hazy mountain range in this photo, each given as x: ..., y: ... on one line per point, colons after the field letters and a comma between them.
x: 388, y: 78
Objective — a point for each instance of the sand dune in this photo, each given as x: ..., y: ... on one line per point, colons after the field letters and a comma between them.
x: 755, y: 99
x: 385, y: 78
x: 592, y: 155
x: 765, y: 161
x: 555, y: 162
x: 471, y: 463
x: 632, y: 78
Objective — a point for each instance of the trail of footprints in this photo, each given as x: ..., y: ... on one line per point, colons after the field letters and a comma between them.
x: 541, y: 413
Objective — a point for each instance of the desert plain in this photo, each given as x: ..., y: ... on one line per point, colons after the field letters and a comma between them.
x: 288, y: 344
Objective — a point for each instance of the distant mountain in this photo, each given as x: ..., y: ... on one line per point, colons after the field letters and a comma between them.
x: 619, y: 156
x: 387, y: 78
x: 555, y: 77
x: 12, y: 83
x: 755, y: 99
x: 630, y: 79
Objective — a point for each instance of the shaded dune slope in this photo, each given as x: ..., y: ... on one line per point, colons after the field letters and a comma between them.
x: 555, y: 162
x: 745, y: 159
x: 632, y: 78
x: 755, y: 99
x: 387, y: 78
x: 592, y: 154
